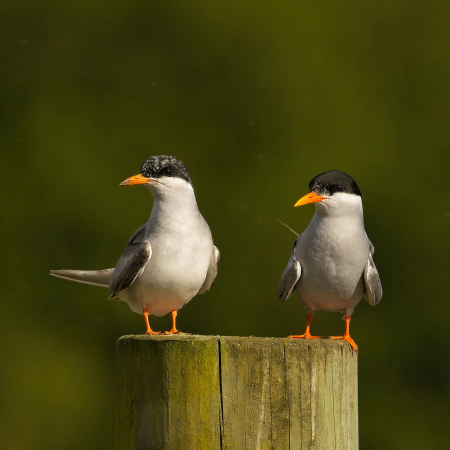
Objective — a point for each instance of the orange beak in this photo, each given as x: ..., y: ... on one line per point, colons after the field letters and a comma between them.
x: 137, y: 179
x: 312, y: 197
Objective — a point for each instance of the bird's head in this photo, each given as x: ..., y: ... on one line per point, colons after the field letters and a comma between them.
x: 333, y: 192
x: 160, y: 174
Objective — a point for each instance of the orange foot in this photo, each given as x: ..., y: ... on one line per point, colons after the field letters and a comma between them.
x: 152, y: 333
x: 307, y: 335
x: 347, y: 338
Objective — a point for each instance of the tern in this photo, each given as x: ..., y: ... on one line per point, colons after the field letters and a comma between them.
x: 331, y: 267
x: 171, y: 258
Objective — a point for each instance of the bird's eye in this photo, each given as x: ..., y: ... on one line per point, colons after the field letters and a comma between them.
x: 167, y: 172
x: 339, y: 188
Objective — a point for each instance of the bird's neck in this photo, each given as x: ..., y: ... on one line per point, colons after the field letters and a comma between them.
x: 174, y: 209
x: 343, y: 206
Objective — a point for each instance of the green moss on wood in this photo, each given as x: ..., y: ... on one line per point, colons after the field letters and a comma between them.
x: 168, y: 393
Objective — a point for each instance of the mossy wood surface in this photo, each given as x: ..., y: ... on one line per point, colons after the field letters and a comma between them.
x: 210, y: 392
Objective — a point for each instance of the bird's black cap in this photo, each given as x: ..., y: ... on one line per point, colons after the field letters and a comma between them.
x: 328, y: 183
x: 164, y: 166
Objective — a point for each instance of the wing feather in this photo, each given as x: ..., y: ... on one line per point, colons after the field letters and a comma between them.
x: 289, y: 279
x: 373, y: 290
x: 129, y: 267
x: 214, y: 264
x: 100, y: 278
x: 138, y: 235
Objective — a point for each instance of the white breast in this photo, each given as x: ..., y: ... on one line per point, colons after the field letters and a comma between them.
x: 333, y: 252
x: 174, y: 274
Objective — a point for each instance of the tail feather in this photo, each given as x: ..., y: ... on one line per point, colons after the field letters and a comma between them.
x: 94, y: 277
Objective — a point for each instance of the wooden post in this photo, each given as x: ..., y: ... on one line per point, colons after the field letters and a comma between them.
x: 234, y: 393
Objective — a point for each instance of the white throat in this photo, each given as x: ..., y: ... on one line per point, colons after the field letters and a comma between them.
x: 175, y: 205
x: 342, y: 205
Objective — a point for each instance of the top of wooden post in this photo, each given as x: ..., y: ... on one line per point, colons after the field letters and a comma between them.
x: 223, y: 392
x: 329, y: 343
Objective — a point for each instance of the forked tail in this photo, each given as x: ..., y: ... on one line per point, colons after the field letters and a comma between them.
x: 94, y: 277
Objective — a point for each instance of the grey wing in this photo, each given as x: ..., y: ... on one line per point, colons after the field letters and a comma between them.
x: 372, y: 283
x: 213, y: 268
x: 129, y: 267
x: 138, y: 235
x: 289, y: 279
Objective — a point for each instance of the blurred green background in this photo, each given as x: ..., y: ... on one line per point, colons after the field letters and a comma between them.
x: 256, y: 98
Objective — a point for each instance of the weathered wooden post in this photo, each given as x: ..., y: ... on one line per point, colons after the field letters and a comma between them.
x: 235, y: 393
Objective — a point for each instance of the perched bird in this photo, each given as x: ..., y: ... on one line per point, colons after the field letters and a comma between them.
x: 331, y: 266
x: 171, y: 258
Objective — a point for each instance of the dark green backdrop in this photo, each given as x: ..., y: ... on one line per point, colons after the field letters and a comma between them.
x: 256, y: 98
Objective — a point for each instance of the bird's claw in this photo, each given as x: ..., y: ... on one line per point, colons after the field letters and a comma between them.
x: 304, y: 336
x: 348, y: 339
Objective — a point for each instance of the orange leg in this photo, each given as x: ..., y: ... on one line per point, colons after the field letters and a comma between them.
x: 174, y: 319
x: 307, y: 334
x: 149, y: 330
x: 346, y: 336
